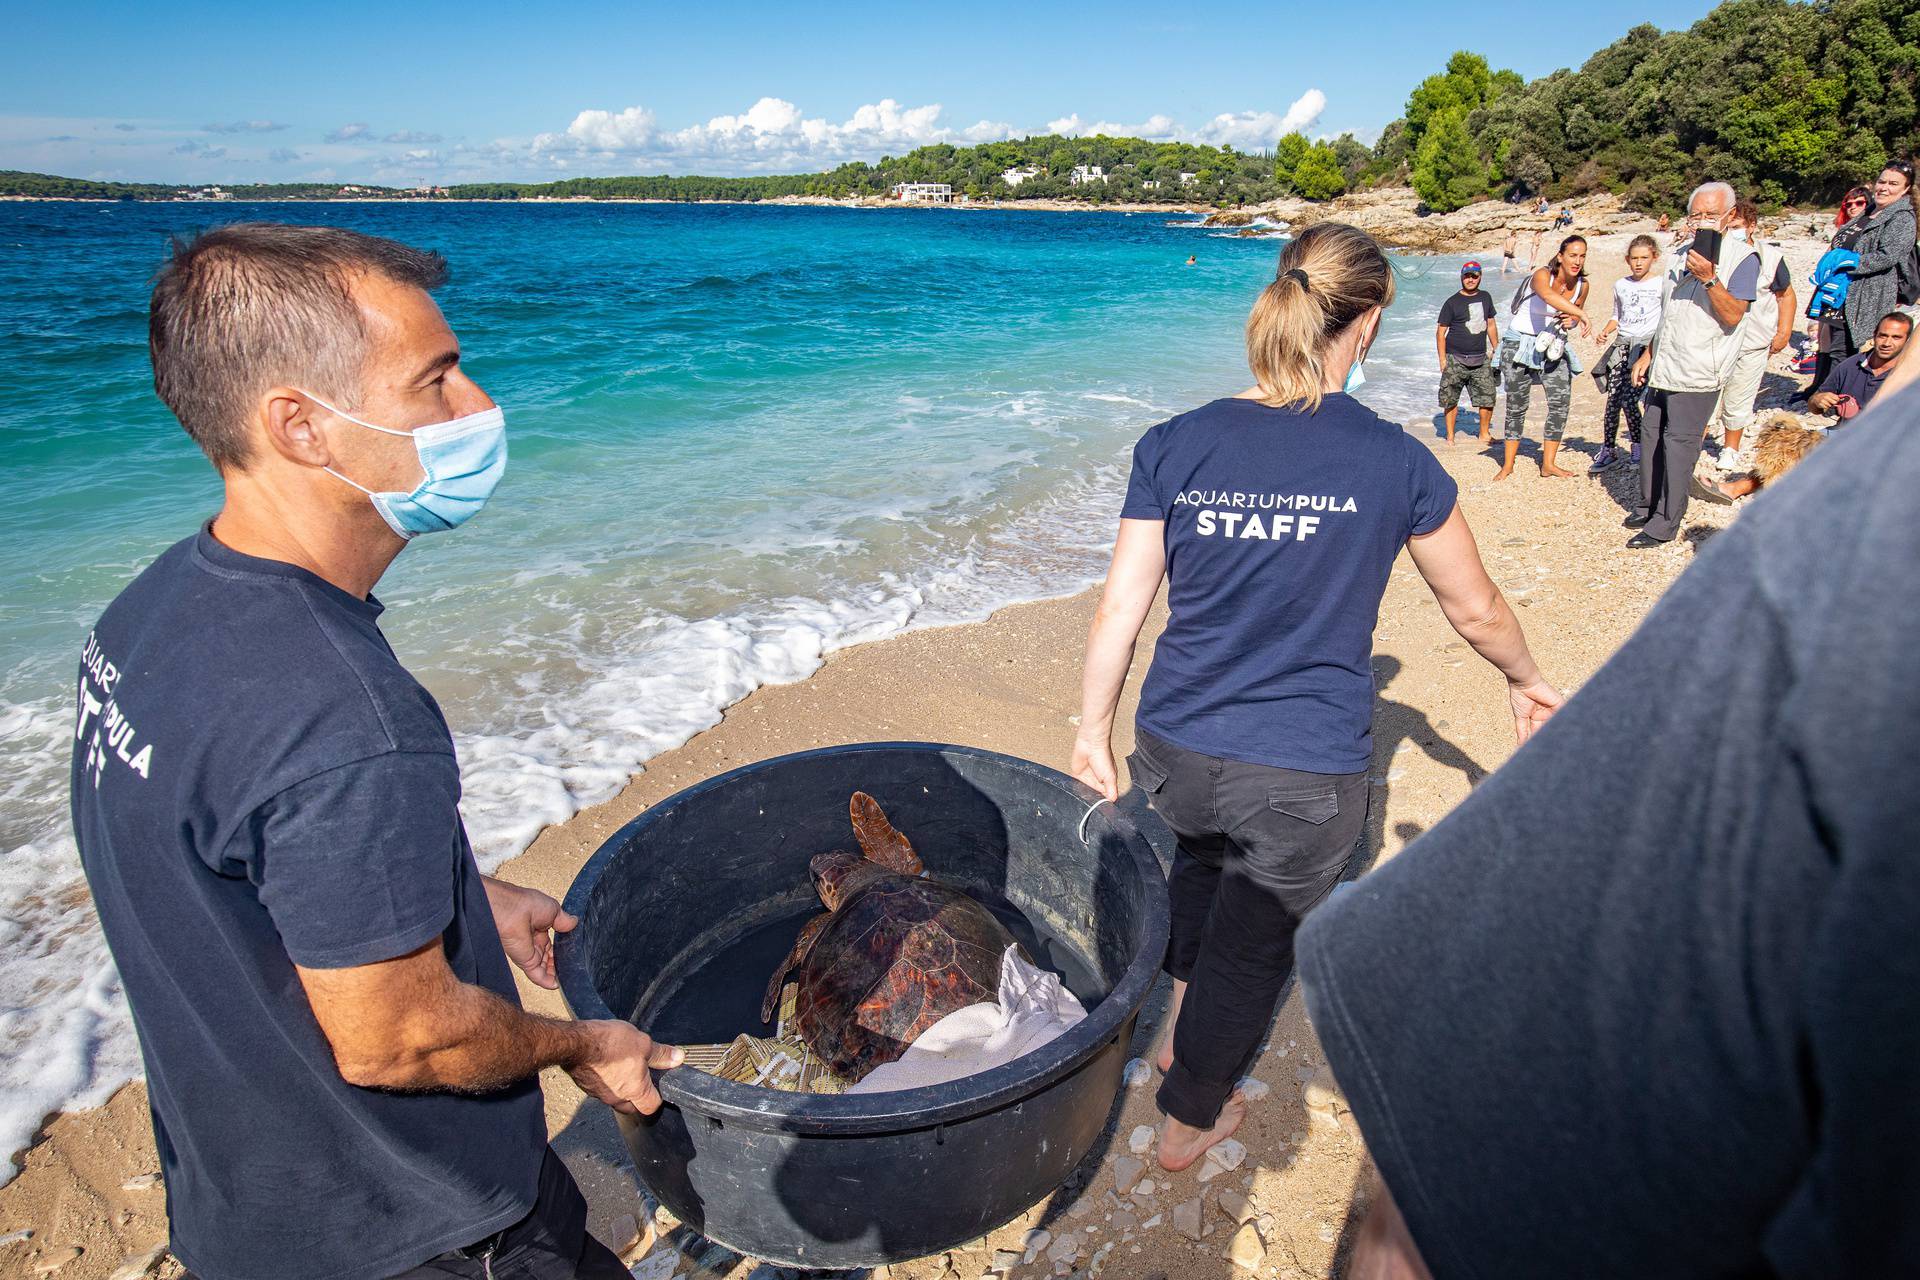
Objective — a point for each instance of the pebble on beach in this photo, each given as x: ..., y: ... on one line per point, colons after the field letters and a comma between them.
x: 55, y: 1259
x: 658, y: 1265
x: 1246, y: 1250
x: 1254, y: 1090
x: 1223, y: 1157
x: 1140, y: 1141
x: 1237, y: 1207
x: 1065, y: 1249
x: 139, y: 1265
x: 143, y: 1182
x: 1126, y: 1173
x: 1136, y: 1073
x: 1187, y: 1218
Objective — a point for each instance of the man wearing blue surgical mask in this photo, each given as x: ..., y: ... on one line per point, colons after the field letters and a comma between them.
x: 343, y: 1083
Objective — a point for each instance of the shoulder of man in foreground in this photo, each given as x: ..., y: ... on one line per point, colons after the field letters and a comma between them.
x: 255, y: 660
x: 1669, y: 1021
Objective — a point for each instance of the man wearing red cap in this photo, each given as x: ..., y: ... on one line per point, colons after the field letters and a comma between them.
x: 1465, y: 334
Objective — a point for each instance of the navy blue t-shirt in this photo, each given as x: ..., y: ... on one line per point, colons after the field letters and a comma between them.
x: 1675, y: 1037
x: 258, y: 782
x: 1281, y: 529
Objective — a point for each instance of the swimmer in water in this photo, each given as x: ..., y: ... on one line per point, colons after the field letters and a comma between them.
x: 1192, y: 258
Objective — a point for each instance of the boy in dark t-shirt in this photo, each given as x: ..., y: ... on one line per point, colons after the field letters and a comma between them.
x: 1465, y: 333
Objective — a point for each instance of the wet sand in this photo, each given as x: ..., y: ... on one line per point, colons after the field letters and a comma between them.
x: 1011, y: 684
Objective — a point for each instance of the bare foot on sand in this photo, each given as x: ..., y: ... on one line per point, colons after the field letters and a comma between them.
x: 1549, y: 469
x: 1504, y: 473
x: 1181, y: 1144
x: 1163, y: 1051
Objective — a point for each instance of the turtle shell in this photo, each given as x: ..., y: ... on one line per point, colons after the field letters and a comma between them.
x: 897, y: 957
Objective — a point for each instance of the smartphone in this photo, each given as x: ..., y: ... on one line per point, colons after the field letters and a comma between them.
x: 1706, y: 243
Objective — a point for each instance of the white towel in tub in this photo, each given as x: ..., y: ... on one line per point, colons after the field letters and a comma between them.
x: 1033, y: 1009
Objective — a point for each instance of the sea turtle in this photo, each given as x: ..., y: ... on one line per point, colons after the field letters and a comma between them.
x: 894, y: 954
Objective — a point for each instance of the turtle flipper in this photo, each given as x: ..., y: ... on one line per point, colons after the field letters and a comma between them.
x: 878, y: 838
x: 809, y: 932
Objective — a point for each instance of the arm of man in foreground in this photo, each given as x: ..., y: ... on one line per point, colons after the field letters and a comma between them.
x: 361, y: 869
x: 1672, y: 1037
x: 409, y: 1023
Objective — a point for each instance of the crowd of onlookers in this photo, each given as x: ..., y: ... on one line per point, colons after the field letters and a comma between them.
x: 1687, y: 343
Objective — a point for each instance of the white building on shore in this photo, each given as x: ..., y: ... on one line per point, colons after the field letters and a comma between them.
x: 1014, y: 177
x: 1084, y: 173
x: 923, y: 192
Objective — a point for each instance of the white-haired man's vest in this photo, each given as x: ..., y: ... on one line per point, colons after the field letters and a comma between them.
x: 1692, y: 351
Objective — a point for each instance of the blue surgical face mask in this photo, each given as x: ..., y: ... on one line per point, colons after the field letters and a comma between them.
x: 1356, y: 376
x: 461, y: 462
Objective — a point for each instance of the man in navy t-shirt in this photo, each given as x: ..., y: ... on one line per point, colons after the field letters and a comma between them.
x: 1856, y: 380
x: 266, y: 804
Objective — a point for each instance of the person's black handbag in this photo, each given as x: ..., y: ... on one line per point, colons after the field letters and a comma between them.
x: 1906, y: 286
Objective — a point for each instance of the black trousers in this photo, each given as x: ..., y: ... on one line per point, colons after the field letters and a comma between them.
x: 550, y: 1243
x: 1259, y: 847
x: 1674, y: 428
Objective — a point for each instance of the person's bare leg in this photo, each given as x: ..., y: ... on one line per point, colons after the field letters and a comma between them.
x: 1732, y: 439
x: 1549, y: 449
x: 1182, y: 1144
x: 1486, y: 425
x: 1163, y: 1051
x: 1506, y: 468
x: 1451, y: 413
x: 1384, y: 1249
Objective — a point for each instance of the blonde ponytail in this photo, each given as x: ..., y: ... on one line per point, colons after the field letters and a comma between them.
x: 1329, y: 276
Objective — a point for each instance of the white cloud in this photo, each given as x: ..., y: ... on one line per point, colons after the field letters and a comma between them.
x: 1247, y: 130
x: 348, y: 132
x: 630, y: 130
x: 411, y: 137
x: 246, y: 126
x: 1155, y: 128
x: 773, y: 135
x: 1253, y: 130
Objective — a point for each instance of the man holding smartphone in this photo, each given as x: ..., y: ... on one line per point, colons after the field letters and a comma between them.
x: 1710, y: 286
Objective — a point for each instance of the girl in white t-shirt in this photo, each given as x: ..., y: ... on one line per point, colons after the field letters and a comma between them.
x: 1636, y: 316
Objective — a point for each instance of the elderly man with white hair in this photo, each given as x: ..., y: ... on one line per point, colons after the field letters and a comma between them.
x: 1706, y: 298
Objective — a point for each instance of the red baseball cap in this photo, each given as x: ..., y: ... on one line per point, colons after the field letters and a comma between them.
x: 1470, y: 269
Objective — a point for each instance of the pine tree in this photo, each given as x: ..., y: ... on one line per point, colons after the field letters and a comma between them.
x: 1447, y: 171
x: 1319, y: 175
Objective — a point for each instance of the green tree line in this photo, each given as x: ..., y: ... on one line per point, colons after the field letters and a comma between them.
x: 1133, y: 169
x: 47, y: 186
x: 1791, y: 102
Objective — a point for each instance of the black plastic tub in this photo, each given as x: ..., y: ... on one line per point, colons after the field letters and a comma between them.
x: 827, y: 1182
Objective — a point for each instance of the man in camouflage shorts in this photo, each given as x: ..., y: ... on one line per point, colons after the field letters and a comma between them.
x: 1465, y: 335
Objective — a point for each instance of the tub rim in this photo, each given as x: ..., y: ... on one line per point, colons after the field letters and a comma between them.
x: 770, y: 1110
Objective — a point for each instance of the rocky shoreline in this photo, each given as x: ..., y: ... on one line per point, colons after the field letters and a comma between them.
x: 1397, y: 218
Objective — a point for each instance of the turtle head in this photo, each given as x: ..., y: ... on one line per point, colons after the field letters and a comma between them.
x: 837, y: 876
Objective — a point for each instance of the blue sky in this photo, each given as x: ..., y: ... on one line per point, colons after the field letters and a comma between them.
x: 407, y: 92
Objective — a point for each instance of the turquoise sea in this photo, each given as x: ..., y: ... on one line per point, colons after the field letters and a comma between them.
x: 741, y: 437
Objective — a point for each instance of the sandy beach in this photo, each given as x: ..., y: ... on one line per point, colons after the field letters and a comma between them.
x: 89, y: 1195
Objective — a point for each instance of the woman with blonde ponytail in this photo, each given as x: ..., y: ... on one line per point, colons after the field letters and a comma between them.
x: 1274, y: 517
